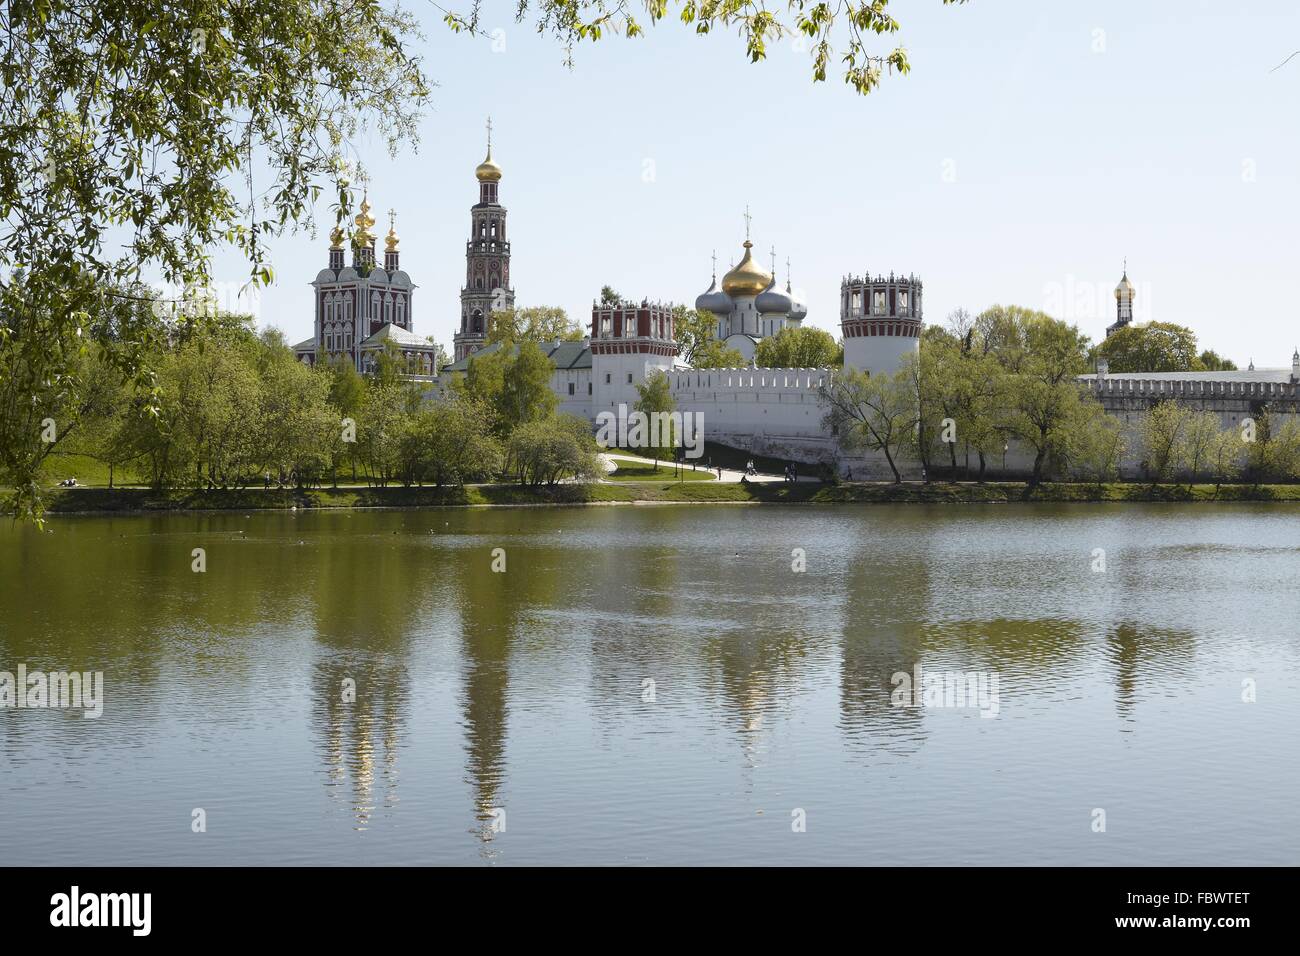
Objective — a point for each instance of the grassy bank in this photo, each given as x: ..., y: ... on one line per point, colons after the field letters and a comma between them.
x: 74, y: 500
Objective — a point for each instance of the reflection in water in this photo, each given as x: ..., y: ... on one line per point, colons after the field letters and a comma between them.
x: 1146, y: 657
x: 489, y: 615
x: 884, y: 612
x: 527, y: 690
x: 360, y: 683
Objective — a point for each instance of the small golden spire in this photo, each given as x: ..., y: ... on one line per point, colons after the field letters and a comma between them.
x: 488, y: 171
x: 336, y: 238
x: 364, y: 221
x: 391, y: 240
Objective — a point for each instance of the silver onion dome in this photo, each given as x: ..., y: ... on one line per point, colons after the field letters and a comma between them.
x: 714, y: 300
x: 798, y: 311
x: 772, y: 300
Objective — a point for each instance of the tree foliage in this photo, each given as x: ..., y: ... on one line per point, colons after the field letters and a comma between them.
x: 533, y: 324
x: 801, y: 347
x: 871, y: 412
x: 1151, y: 347
x: 134, y: 140
x: 654, y: 396
x: 834, y: 32
x: 697, y: 340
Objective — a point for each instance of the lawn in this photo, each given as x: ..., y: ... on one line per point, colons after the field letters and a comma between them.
x: 640, y: 471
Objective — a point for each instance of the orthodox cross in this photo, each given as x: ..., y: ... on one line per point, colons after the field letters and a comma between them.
x: 715, y: 263
x: 748, y: 217
x: 489, y: 131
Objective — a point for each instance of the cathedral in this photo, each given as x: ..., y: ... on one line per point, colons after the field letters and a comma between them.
x: 749, y: 306
x: 363, y: 310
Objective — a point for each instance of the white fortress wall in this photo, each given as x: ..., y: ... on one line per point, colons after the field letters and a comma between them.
x: 770, y: 411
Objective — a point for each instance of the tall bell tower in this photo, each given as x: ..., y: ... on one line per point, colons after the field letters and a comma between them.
x: 487, y: 261
x: 1124, y: 296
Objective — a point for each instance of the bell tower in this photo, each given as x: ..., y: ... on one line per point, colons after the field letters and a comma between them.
x: 1124, y: 296
x: 487, y: 261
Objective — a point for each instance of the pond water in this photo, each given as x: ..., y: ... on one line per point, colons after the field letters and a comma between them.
x: 659, y: 685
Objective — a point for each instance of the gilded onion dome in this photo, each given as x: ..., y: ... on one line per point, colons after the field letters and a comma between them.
x: 488, y: 171
x: 392, y: 239
x: 714, y: 301
x: 336, y: 237
x: 773, y: 301
x: 364, y: 222
x: 748, y: 278
x: 1125, y: 288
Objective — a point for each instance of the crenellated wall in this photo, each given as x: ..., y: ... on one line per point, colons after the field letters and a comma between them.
x: 770, y: 411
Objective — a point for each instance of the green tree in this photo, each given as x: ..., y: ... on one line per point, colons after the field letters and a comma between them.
x: 1274, y: 454
x: 693, y: 329
x: 1225, y: 456
x: 382, y: 431
x: 713, y: 354
x: 1095, y: 443
x: 1199, y: 443
x: 609, y: 297
x: 875, y: 413
x: 801, y: 347
x: 1152, y: 347
x: 655, y: 398
x: 514, y: 382
x: 460, y: 443
x: 535, y: 324
x: 549, y: 450
x: 1163, y: 436
x: 1042, y: 358
x: 1211, y: 361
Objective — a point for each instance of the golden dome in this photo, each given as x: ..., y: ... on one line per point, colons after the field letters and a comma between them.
x: 391, y: 240
x: 748, y: 278
x: 336, y: 237
x: 488, y: 171
x: 364, y: 221
x: 1125, y: 288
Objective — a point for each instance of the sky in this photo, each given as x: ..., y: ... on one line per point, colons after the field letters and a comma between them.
x: 1033, y: 149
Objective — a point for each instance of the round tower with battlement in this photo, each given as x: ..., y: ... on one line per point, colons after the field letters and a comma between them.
x: 880, y: 319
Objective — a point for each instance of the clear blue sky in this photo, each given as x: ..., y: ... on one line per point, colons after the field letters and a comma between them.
x: 1015, y: 164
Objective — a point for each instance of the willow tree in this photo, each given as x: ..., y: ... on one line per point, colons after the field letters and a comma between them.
x: 135, y: 139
